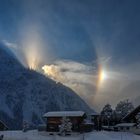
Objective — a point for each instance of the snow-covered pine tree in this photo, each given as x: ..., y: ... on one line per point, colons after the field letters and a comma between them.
x: 66, y: 126
x: 107, y: 112
x: 123, y: 108
x: 25, y: 126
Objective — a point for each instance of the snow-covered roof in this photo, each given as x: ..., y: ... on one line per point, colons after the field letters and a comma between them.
x: 64, y: 114
x: 134, y: 111
x: 125, y: 125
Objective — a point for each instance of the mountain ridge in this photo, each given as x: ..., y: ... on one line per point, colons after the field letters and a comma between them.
x: 25, y: 95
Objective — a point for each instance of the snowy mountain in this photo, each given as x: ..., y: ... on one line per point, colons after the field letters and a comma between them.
x: 27, y: 95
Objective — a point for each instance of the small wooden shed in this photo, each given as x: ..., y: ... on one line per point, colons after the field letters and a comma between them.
x: 54, y: 120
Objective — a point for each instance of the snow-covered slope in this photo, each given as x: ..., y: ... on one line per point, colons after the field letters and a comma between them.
x: 27, y: 95
x: 34, y: 135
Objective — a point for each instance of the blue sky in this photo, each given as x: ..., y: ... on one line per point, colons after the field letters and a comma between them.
x: 81, y: 31
x: 73, y: 27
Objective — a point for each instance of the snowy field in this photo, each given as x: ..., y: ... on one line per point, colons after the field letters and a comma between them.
x: 35, y: 135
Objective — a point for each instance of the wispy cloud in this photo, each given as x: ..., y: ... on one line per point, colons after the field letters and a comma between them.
x: 9, y: 44
x: 79, y: 76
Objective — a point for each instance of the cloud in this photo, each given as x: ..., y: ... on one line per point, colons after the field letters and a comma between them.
x: 80, y: 77
x: 83, y: 32
x: 123, y: 81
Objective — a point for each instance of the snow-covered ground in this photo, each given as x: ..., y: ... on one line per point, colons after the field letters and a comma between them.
x: 35, y: 135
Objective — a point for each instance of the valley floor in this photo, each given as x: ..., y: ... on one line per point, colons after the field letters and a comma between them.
x: 35, y: 135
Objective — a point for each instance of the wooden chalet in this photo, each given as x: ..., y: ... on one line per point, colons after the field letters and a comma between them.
x: 131, y: 117
x: 54, y: 120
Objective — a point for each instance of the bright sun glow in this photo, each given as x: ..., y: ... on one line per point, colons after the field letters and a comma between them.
x: 32, y: 46
x: 50, y: 70
x: 102, y: 75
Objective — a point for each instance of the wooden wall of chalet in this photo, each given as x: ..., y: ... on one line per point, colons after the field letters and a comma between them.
x: 54, y: 122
